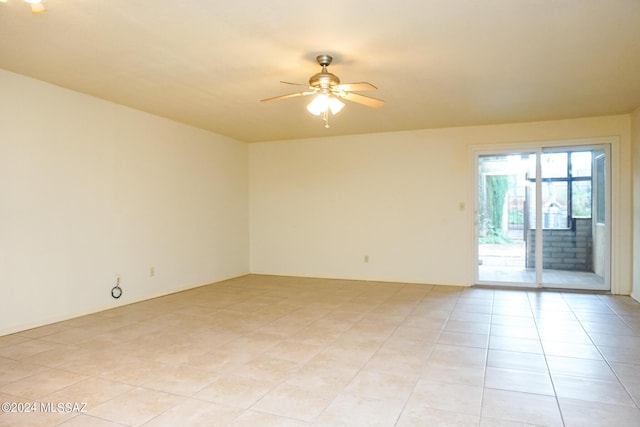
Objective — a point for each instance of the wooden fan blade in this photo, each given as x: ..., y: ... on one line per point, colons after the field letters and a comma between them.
x: 291, y: 95
x: 361, y: 99
x: 350, y: 87
x: 294, y: 84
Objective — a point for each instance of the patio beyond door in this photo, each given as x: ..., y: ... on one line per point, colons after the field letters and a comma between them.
x: 542, y: 218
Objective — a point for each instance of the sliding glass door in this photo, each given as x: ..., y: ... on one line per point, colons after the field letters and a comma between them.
x: 541, y: 218
x: 504, y: 192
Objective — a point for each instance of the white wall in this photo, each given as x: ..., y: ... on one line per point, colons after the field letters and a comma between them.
x: 91, y: 189
x: 635, y: 134
x: 319, y: 206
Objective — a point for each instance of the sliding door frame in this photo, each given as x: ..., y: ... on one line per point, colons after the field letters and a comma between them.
x: 608, y: 144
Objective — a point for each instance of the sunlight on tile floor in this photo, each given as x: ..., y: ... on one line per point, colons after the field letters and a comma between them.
x: 282, y: 351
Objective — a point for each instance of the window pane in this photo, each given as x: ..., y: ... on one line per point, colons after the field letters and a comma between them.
x: 600, y: 189
x: 554, y: 165
x: 581, y: 195
x: 554, y: 204
x: 581, y: 163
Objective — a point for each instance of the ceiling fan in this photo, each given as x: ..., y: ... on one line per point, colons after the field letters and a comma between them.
x: 328, y: 90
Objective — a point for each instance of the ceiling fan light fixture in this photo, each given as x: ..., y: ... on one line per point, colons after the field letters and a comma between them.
x: 335, y: 105
x: 36, y: 6
x: 319, y: 104
x: 323, y: 103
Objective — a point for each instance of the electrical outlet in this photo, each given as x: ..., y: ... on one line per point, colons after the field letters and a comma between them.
x: 152, y: 272
x: 366, y: 259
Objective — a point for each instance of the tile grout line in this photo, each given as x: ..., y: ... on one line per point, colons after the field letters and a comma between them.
x: 486, y: 356
x: 435, y: 342
x: 546, y: 361
x: 417, y: 380
x: 605, y: 359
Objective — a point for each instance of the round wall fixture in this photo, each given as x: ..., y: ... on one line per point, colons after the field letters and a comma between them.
x: 116, y: 291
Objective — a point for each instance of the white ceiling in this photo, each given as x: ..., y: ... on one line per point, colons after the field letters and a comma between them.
x: 437, y: 63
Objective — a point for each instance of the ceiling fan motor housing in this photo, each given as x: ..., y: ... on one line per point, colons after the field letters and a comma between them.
x: 324, y: 79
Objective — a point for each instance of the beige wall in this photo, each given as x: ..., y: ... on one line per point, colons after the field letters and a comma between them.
x: 319, y: 206
x: 90, y: 189
x: 635, y: 132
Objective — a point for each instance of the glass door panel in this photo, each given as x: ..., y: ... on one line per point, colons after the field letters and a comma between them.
x: 542, y: 218
x: 503, y: 218
x: 573, y: 243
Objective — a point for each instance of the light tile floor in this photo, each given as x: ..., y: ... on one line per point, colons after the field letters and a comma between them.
x: 282, y: 351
